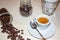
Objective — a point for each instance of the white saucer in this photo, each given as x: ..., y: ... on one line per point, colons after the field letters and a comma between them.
x: 49, y: 32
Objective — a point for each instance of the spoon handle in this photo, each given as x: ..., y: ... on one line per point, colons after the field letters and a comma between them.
x: 43, y: 38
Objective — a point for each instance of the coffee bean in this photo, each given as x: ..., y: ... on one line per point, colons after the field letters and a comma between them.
x: 28, y: 39
x: 3, y: 10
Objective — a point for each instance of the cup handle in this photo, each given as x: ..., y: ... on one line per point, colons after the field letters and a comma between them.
x: 35, y: 21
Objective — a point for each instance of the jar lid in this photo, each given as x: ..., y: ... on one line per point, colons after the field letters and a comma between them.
x: 51, y: 0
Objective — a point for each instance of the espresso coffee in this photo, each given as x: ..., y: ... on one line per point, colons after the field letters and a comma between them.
x: 43, y: 20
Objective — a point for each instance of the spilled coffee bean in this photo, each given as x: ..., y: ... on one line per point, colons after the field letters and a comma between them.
x: 8, y: 28
x: 28, y: 39
x: 22, y: 32
x: 3, y: 10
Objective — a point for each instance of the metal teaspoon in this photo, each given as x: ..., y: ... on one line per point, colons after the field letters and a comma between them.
x: 34, y: 26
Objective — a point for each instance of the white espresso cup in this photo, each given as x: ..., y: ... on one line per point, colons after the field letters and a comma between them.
x: 42, y: 21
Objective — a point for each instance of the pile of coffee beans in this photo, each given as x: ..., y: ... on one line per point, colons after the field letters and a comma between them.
x: 8, y: 27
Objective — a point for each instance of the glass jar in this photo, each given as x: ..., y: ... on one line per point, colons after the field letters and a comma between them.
x: 25, y: 8
x: 5, y: 16
x: 49, y: 6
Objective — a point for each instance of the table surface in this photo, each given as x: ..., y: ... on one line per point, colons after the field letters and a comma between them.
x: 21, y: 22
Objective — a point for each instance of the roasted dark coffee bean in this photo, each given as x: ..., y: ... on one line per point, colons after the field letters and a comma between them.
x: 22, y: 30
x: 3, y: 10
x: 2, y: 27
x: 19, y: 36
x: 22, y: 33
x: 3, y: 31
x: 9, y: 36
x: 7, y: 32
x: 13, y: 38
x: 18, y: 31
x: 28, y: 39
x: 22, y: 39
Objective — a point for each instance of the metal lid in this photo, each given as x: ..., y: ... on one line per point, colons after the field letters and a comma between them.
x: 51, y: 0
